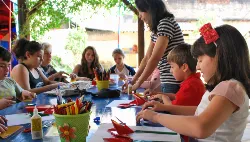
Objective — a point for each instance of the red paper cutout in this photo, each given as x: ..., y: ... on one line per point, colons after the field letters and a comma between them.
x: 120, y: 132
x: 138, y: 102
x: 117, y: 140
x: 122, y: 129
x: 209, y: 34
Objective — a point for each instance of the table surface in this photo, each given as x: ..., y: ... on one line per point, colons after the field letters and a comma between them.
x: 98, y: 110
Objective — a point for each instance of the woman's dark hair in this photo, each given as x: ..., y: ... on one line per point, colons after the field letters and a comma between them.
x: 23, y: 45
x: 95, y: 63
x: 5, y: 54
x: 233, y: 56
x: 156, y: 9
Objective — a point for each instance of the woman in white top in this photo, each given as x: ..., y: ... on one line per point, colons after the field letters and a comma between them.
x: 223, y: 59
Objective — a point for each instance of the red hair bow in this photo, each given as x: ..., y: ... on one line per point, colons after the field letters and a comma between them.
x: 209, y: 34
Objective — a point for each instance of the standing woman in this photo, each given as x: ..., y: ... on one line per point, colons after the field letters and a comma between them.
x: 26, y: 73
x: 166, y: 34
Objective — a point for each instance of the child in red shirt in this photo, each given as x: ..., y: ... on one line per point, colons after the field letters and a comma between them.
x: 183, y: 68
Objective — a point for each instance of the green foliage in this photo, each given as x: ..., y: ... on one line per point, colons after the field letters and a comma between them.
x: 53, y: 13
x: 76, y: 40
x: 201, y: 22
x: 57, y: 64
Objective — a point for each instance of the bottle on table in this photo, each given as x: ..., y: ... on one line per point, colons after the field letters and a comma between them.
x: 36, y: 125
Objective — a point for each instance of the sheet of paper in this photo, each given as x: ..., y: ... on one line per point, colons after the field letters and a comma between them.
x: 102, y: 133
x: 115, y: 103
x: 52, y: 132
x: 23, y: 118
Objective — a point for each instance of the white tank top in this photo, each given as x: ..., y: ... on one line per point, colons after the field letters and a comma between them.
x: 233, y: 128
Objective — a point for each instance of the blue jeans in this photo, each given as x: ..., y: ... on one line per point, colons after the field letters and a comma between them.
x: 169, y: 88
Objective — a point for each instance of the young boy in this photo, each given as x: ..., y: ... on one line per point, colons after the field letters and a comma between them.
x: 9, y: 89
x: 183, y: 68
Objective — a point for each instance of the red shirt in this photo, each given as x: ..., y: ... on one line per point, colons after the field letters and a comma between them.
x: 190, y: 92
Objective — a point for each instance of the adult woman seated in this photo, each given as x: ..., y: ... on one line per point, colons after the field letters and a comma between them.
x: 26, y: 73
x: 48, y: 70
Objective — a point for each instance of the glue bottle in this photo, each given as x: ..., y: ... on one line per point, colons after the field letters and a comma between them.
x: 36, y: 125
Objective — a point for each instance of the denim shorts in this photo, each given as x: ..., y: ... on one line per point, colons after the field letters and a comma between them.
x: 169, y: 88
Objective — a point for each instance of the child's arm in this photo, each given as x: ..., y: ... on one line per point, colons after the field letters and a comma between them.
x: 173, y: 109
x: 226, y: 100
x: 45, y: 88
x: 23, y: 81
x: 160, y: 95
x: 59, y: 74
x: 76, y: 69
x: 200, y: 126
x: 6, y: 102
x: 166, y: 100
x: 45, y: 79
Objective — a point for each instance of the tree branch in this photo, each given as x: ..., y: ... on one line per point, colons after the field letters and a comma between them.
x: 36, y: 7
x: 131, y: 7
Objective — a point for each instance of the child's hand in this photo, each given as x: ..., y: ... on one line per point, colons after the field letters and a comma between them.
x: 3, y: 128
x: 73, y: 76
x: 156, y: 96
x: 3, y: 120
x: 166, y: 100
x: 153, y: 105
x: 147, y: 92
x: 60, y: 74
x: 27, y: 95
x: 6, y: 102
x: 146, y: 114
x: 125, y: 87
x: 122, y: 76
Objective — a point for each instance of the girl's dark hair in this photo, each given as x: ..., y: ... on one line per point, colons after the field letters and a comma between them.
x: 233, y: 56
x: 95, y: 63
x: 23, y: 45
x: 156, y: 9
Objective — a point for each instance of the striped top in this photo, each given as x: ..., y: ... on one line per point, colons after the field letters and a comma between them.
x: 170, y: 28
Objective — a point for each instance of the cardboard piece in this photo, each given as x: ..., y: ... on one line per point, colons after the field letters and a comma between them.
x: 11, y: 130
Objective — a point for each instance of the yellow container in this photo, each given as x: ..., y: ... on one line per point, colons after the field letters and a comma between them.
x: 102, y: 84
